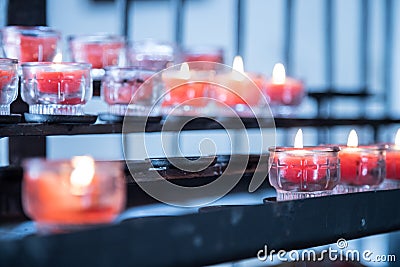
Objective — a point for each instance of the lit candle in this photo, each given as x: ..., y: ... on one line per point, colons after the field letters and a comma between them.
x: 61, y: 195
x: 282, y: 90
x: 186, y: 87
x: 56, y: 83
x: 302, y: 172
x: 236, y: 87
x: 362, y: 167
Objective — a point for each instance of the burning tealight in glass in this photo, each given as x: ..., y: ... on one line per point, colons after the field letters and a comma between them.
x: 362, y: 167
x: 303, y: 172
x: 72, y: 194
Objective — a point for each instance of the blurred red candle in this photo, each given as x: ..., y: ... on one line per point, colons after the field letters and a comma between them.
x: 186, y: 87
x: 62, y: 194
x: 282, y: 90
x: 37, y: 48
x: 237, y: 88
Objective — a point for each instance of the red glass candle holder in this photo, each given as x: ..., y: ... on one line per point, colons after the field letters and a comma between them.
x: 150, y: 54
x: 100, y: 50
x: 8, y: 84
x: 242, y: 92
x: 363, y: 168
x: 284, y: 98
x: 30, y: 43
x: 56, y: 88
x: 72, y: 194
x: 187, y: 89
x: 131, y: 91
x: 298, y: 173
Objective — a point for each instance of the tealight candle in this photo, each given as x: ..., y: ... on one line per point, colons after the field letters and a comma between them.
x: 8, y: 84
x: 72, y: 194
x: 283, y: 92
x: 130, y: 91
x: 186, y: 90
x: 100, y: 50
x: 303, y: 172
x: 239, y: 90
x: 30, y: 43
x: 56, y: 88
x: 362, y: 168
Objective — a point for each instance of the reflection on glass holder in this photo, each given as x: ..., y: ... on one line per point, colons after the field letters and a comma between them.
x: 8, y: 84
x: 56, y: 88
x: 30, y: 43
x: 131, y: 91
x: 66, y: 195
x: 363, y: 168
x: 298, y: 173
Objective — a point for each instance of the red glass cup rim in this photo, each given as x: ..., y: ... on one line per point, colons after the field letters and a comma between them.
x: 36, y: 31
x: 306, y: 148
x: 97, y: 38
x: 363, y: 148
x: 48, y: 65
x: 8, y: 61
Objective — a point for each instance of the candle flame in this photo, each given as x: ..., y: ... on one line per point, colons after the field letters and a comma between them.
x: 397, y: 138
x: 57, y: 58
x: 298, y: 139
x: 352, y: 140
x: 83, y: 172
x: 279, y: 74
x: 185, y: 71
x: 238, y: 64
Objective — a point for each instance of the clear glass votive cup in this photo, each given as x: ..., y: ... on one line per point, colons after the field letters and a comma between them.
x: 30, y: 43
x: 66, y: 195
x: 150, y: 54
x: 131, y: 91
x: 392, y: 160
x: 8, y: 84
x: 298, y: 173
x: 362, y: 168
x: 286, y: 97
x: 56, y: 88
x: 100, y: 50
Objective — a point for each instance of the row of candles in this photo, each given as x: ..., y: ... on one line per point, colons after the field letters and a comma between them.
x: 70, y: 194
x: 50, y: 86
x: 302, y: 172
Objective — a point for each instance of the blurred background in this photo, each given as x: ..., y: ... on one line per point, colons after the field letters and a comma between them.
x: 334, y: 46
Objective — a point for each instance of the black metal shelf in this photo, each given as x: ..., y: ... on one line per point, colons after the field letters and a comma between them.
x: 39, y: 129
x: 214, y: 235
